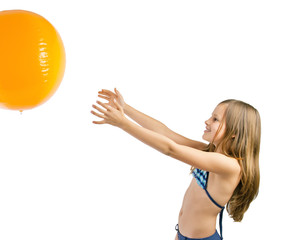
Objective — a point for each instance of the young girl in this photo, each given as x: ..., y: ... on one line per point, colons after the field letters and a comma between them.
x: 226, y: 171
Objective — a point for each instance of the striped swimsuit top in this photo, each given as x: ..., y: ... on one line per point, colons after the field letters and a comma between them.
x: 201, y: 177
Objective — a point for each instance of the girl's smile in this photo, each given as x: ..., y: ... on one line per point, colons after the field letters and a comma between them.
x: 215, y: 126
x: 207, y: 130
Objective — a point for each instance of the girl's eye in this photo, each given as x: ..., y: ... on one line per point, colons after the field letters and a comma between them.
x: 215, y: 119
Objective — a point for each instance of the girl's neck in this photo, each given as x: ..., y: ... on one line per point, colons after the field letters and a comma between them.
x: 218, y: 149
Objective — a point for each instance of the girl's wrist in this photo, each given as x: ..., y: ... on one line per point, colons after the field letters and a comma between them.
x: 124, y: 123
x: 125, y: 107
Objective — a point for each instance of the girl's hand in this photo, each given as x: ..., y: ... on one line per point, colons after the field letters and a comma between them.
x: 112, y: 115
x: 110, y: 96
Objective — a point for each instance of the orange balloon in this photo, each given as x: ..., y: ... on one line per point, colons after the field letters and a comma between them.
x: 32, y: 60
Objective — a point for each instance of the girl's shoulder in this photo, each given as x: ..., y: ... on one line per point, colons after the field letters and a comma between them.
x: 209, y: 161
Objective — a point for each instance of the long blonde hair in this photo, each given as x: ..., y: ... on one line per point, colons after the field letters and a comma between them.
x: 242, y: 141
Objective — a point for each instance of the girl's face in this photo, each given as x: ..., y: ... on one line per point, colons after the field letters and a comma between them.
x: 213, y: 124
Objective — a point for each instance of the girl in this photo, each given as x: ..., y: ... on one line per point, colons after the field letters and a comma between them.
x: 226, y: 171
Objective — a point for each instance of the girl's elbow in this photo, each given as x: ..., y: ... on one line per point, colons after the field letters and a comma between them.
x: 169, y: 149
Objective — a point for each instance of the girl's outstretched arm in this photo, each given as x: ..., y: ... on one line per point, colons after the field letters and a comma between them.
x: 153, y: 139
x: 116, y: 117
x: 149, y: 122
x: 157, y: 126
x: 209, y: 161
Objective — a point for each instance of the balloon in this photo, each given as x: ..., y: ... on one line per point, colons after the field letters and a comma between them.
x: 32, y: 60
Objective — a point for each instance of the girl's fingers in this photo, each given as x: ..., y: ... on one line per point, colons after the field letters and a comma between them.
x: 117, y: 92
x: 106, y: 92
x: 99, y: 109
x: 104, y: 97
x: 117, y: 105
x: 99, y: 122
x: 109, y: 96
x: 97, y: 114
x: 103, y: 105
x: 114, y: 102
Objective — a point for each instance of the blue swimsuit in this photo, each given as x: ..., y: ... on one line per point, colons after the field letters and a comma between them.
x: 202, y: 180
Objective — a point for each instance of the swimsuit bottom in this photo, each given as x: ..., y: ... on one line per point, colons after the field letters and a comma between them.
x: 215, y: 236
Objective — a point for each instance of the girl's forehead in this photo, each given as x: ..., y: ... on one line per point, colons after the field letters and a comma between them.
x: 219, y: 110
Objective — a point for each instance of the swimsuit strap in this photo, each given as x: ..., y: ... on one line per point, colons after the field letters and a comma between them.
x: 221, y: 214
x: 218, y: 205
x: 202, y: 180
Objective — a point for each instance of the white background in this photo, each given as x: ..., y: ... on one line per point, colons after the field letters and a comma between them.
x: 62, y: 177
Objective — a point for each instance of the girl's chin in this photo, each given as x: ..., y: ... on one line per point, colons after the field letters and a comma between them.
x: 204, y: 137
